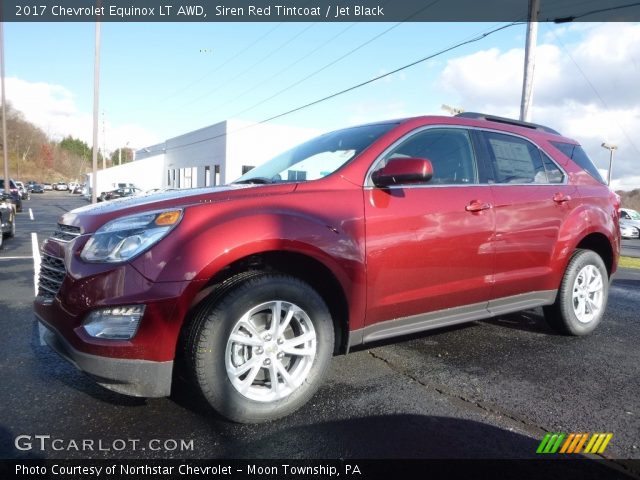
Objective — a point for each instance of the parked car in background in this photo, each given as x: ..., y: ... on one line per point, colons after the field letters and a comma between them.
x: 62, y: 186
x: 7, y: 217
x: 630, y: 217
x: 47, y: 186
x: 37, y: 188
x: 15, y: 196
x: 629, y: 231
x: 77, y: 189
x: 119, y: 193
x: 159, y: 190
x: 24, y: 191
x: 361, y: 235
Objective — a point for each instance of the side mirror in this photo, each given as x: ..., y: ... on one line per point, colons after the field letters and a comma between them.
x: 402, y: 171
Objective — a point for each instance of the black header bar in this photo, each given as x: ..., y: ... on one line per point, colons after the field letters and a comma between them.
x: 314, y: 11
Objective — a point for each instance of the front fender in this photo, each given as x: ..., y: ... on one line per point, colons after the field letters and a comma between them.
x: 213, y: 236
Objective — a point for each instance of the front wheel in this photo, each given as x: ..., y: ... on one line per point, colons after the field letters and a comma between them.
x: 582, y: 297
x: 262, y: 350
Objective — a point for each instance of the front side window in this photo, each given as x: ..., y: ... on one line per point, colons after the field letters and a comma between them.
x: 448, y: 149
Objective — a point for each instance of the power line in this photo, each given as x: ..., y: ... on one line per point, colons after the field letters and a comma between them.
x: 219, y: 67
x: 384, y: 75
x: 287, y: 68
x: 359, y: 85
x: 251, y: 67
x: 593, y: 12
x: 330, y: 64
x: 595, y: 90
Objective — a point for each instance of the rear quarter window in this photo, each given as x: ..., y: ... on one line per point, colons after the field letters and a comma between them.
x: 579, y: 156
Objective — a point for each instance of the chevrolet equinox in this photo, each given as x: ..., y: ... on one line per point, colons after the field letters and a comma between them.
x: 359, y: 235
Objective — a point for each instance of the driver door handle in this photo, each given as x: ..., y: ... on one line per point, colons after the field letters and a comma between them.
x: 477, y: 206
x: 561, y: 198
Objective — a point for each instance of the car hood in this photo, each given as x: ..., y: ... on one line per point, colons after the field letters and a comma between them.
x: 630, y: 223
x: 91, y: 217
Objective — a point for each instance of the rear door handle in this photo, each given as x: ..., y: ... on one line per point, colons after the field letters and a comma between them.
x: 561, y: 198
x: 477, y: 206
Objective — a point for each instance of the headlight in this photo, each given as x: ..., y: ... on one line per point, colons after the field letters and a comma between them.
x: 124, y: 238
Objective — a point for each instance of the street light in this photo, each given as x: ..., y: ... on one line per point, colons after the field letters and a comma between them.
x: 611, y: 147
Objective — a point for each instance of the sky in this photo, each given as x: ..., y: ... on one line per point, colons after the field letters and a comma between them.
x: 160, y: 80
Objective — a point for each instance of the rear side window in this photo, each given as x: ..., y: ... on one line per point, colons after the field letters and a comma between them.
x: 578, y: 155
x: 514, y: 159
x: 554, y: 174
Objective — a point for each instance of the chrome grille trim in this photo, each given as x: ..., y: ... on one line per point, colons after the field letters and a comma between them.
x: 66, y: 233
x: 52, y: 273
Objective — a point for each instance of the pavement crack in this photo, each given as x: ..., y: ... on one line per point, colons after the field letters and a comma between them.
x: 531, y: 428
x: 535, y: 431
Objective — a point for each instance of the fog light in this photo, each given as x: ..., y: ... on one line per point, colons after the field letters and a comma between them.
x: 116, y: 323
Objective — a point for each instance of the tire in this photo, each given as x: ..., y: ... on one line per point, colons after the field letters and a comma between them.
x: 234, y: 350
x: 582, y: 297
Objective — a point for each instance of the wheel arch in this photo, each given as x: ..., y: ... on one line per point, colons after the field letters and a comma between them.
x: 600, y: 244
x: 301, y: 266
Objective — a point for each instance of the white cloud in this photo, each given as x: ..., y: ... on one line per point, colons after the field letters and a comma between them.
x: 606, y: 59
x: 53, y: 108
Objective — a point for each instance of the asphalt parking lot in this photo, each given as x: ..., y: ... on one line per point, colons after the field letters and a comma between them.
x: 490, y: 389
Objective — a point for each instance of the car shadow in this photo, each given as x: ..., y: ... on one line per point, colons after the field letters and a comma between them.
x: 527, y: 321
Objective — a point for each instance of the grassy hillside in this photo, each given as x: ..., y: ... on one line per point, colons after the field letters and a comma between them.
x: 630, y: 199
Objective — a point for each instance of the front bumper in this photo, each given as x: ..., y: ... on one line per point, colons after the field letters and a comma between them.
x: 138, y: 378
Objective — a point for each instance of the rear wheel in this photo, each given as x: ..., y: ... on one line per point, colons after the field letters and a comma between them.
x: 261, y: 351
x: 582, y: 297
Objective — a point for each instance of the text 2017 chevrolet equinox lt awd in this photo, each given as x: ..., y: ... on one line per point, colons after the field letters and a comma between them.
x: 362, y: 234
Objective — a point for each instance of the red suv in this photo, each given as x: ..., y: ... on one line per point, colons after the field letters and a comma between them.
x: 362, y: 234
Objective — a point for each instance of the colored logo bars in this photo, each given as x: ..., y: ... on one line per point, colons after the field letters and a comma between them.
x: 573, y: 443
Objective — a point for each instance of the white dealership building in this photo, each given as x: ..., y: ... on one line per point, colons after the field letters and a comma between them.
x: 210, y: 156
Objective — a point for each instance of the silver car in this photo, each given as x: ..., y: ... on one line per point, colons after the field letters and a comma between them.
x: 627, y: 230
x: 7, y: 217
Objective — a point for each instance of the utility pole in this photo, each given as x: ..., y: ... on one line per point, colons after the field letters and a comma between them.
x: 96, y: 94
x: 611, y: 147
x: 104, y: 143
x: 5, y: 147
x: 452, y: 110
x: 120, y: 153
x: 529, y: 61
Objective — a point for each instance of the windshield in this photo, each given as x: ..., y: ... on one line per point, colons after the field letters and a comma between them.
x: 316, y: 158
x: 633, y: 214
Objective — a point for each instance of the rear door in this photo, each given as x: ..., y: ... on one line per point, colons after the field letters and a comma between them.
x: 531, y: 201
x: 429, y: 246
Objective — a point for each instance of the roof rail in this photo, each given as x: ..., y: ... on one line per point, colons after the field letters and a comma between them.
x: 509, y: 121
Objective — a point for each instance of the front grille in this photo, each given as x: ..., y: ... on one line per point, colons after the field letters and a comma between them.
x: 52, y: 273
x: 66, y: 233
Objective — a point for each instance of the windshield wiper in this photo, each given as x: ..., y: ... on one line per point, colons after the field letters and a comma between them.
x: 256, y: 180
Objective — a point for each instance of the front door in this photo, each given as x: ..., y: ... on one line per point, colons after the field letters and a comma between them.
x: 429, y: 246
